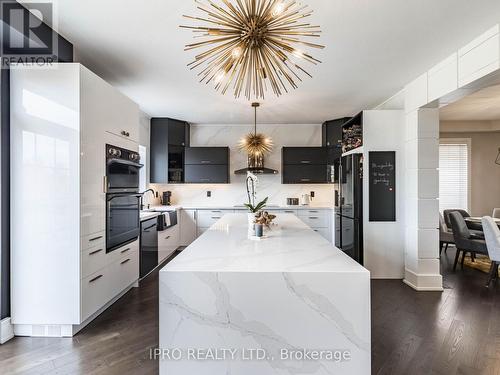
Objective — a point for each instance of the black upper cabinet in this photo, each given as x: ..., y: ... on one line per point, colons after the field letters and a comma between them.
x: 332, y: 133
x: 207, y: 155
x: 305, y: 174
x: 207, y: 165
x: 207, y: 174
x: 305, y: 165
x: 305, y: 155
x: 168, y: 140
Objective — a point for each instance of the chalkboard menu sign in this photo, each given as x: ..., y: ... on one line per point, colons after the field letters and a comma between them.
x: 382, y: 185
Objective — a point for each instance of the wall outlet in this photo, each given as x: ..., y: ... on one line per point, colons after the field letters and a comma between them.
x: 313, y: 194
x: 209, y: 194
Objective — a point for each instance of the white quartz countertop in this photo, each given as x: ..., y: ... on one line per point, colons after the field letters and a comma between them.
x: 146, y: 215
x: 240, y: 207
x: 291, y: 246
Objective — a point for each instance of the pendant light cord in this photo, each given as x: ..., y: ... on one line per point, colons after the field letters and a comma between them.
x: 255, y: 120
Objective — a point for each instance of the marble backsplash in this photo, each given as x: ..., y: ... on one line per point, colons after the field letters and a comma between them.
x: 269, y: 185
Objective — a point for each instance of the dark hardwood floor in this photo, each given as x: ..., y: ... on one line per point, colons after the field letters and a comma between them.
x: 454, y: 332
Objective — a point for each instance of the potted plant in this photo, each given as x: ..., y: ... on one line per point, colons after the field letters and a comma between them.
x: 253, y: 207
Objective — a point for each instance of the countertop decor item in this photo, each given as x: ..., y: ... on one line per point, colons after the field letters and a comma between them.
x: 264, y: 218
x: 251, y: 45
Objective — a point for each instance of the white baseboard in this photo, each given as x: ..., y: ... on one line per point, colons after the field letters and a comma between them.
x: 63, y: 330
x: 423, y: 283
x: 6, y: 330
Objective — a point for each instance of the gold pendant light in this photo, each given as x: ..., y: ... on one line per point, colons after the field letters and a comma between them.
x: 252, y: 44
x: 256, y: 144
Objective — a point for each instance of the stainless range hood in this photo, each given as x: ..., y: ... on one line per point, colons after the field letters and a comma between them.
x: 256, y: 166
x: 256, y: 171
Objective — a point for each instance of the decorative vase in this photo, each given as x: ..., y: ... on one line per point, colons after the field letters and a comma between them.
x: 251, y: 224
x: 259, y: 230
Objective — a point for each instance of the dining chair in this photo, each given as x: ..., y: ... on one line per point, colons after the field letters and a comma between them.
x: 496, y: 213
x: 492, y: 236
x: 447, y: 213
x: 445, y: 235
x: 464, y: 241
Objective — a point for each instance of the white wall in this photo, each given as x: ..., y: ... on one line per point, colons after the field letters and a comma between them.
x: 270, y: 185
x: 384, y: 131
x: 484, y: 173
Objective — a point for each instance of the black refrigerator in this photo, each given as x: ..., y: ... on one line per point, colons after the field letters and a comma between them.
x: 349, y: 210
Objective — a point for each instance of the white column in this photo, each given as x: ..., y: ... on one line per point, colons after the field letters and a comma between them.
x: 422, y: 271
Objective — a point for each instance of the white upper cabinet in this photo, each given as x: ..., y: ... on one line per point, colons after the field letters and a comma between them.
x: 480, y: 57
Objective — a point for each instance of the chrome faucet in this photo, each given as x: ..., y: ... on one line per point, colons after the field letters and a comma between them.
x: 142, y: 197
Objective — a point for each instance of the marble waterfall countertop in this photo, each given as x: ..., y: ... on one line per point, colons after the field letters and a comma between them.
x: 288, y: 304
x: 290, y: 246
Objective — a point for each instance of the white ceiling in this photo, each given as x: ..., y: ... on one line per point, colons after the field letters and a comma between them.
x: 483, y: 105
x: 373, y: 49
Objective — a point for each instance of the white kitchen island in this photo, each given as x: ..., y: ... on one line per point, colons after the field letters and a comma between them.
x: 288, y: 304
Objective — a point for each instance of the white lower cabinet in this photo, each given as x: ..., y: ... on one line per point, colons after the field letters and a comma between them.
x: 168, y: 242
x: 117, y: 270
x: 318, y: 220
x: 124, y: 272
x: 95, y: 292
x: 92, y: 260
x: 207, y: 218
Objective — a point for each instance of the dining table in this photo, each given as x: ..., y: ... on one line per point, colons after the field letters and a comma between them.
x: 475, y: 223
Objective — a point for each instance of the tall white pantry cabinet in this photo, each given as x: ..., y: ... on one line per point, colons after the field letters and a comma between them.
x: 61, y: 119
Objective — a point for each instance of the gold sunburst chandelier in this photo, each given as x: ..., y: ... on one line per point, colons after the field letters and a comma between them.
x: 256, y: 144
x: 252, y: 44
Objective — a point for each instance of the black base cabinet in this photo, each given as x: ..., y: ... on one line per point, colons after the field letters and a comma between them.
x: 207, y: 165
x: 305, y: 165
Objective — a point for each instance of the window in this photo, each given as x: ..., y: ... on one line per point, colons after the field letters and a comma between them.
x: 454, y: 167
x: 143, y: 171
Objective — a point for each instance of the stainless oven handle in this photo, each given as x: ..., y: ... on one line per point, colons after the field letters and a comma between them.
x: 124, y: 196
x: 126, y: 162
x: 148, y: 228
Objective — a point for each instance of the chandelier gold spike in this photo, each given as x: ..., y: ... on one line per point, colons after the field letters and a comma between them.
x: 252, y: 45
x: 256, y: 144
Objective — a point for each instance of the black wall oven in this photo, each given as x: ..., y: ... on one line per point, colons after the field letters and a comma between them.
x: 123, y: 201
x: 122, y: 170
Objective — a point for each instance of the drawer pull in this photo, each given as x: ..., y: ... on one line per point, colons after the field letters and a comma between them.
x: 167, y: 237
x: 95, y: 279
x: 205, y: 162
x: 125, y: 262
x: 204, y: 179
x: 305, y: 162
x: 125, y: 133
x: 313, y: 217
x: 95, y: 239
x: 215, y: 217
x: 215, y: 211
x: 313, y: 212
x: 96, y: 252
x: 305, y: 180
x: 126, y: 250
x: 289, y: 212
